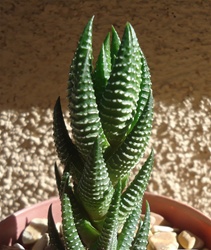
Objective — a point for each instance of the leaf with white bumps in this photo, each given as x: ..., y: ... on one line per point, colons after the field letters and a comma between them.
x: 119, y: 100
x: 84, y: 114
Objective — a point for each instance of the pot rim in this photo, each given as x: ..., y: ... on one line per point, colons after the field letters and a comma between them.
x: 179, y: 210
x: 179, y: 205
x: 176, y: 203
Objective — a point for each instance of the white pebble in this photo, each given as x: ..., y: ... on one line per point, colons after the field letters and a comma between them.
x: 189, y: 240
x: 164, y: 240
x: 34, y: 231
x: 158, y: 228
x: 42, y: 242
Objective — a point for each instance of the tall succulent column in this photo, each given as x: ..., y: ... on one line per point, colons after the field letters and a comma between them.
x: 111, y: 112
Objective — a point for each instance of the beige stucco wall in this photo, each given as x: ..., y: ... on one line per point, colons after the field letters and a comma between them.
x: 37, y: 41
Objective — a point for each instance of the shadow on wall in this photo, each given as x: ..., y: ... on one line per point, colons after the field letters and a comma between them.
x: 38, y: 45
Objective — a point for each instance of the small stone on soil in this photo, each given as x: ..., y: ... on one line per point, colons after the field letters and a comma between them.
x: 34, y: 231
x: 164, y: 241
x: 189, y: 240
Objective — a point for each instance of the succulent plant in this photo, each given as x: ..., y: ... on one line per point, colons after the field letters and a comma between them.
x: 111, y: 112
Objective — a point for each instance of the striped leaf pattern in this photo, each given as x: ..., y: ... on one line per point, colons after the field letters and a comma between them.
x: 71, y: 238
x: 111, y: 112
x: 87, y: 232
x: 119, y: 100
x: 129, y: 153
x: 66, y: 150
x: 85, y: 121
x: 141, y: 238
x: 145, y: 90
x: 95, y: 189
x: 108, y: 237
x: 135, y: 191
x: 126, y: 236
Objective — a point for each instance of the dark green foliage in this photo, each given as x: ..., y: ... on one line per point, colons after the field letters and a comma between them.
x: 55, y: 239
x: 95, y: 189
x: 102, y: 74
x: 141, y: 238
x: 111, y: 112
x: 70, y: 233
x: 67, y: 151
x: 132, y: 149
x: 108, y: 237
x: 120, y: 97
x: 126, y: 237
x: 134, y: 193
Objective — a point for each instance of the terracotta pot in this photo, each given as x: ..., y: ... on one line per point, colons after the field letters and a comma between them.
x: 178, y: 214
x: 181, y: 216
x: 12, y: 226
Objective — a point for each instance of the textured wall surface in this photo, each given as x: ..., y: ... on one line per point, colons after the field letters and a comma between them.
x: 37, y: 40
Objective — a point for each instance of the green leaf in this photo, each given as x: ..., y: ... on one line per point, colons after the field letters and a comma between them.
x: 66, y: 150
x: 88, y: 233
x: 108, y: 237
x: 135, y: 191
x: 58, y: 177
x: 115, y: 43
x: 63, y: 184
x: 95, y: 189
x: 55, y: 239
x: 132, y: 149
x: 145, y: 91
x: 125, y: 181
x: 119, y: 100
x: 84, y: 115
x: 102, y: 69
x: 141, y: 239
x: 71, y: 238
x: 126, y: 236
